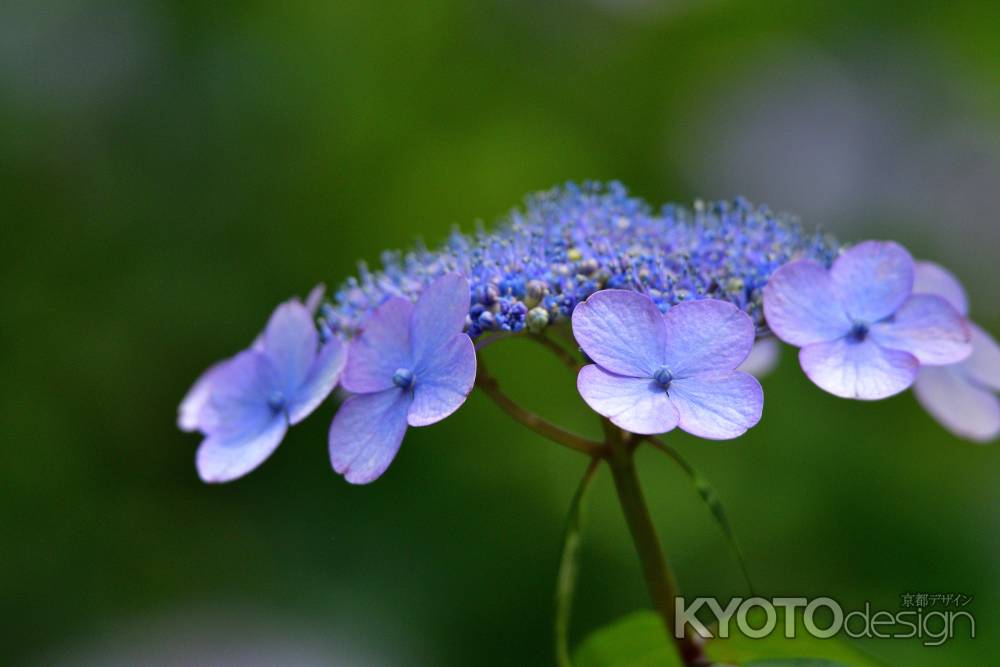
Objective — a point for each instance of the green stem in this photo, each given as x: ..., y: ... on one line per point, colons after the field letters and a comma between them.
x: 565, y: 356
x: 491, y: 339
x: 659, y: 579
x: 568, y: 566
x: 710, y: 498
x: 488, y: 384
x: 618, y: 449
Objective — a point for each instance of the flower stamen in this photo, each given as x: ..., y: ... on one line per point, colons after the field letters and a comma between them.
x: 403, y: 378
x: 858, y: 333
x: 276, y: 400
x: 663, y: 377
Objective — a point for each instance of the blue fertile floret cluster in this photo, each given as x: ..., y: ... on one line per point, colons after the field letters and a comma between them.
x: 571, y: 241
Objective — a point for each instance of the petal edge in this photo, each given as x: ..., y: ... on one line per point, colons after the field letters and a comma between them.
x: 366, y: 433
x: 862, y: 370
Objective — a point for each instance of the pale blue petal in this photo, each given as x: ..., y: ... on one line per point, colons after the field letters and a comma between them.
x: 800, y: 305
x: 927, y: 327
x: 638, y: 405
x: 706, y: 335
x: 438, y: 315
x: 621, y: 330
x: 718, y: 405
x: 983, y: 365
x: 189, y: 411
x: 322, y: 378
x: 965, y: 409
x: 225, y: 456
x: 366, y: 433
x: 860, y: 370
x: 873, y: 279
x: 239, y: 394
x: 763, y: 358
x: 931, y: 278
x: 290, y: 342
x: 381, y: 349
x: 443, y: 382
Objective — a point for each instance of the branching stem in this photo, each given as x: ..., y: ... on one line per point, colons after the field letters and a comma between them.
x: 570, y: 360
x: 618, y: 450
x: 489, y: 385
x: 565, y: 356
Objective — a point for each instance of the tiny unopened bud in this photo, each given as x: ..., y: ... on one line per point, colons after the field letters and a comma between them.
x: 486, y: 320
x: 537, y: 319
x: 534, y: 292
x: 588, y: 266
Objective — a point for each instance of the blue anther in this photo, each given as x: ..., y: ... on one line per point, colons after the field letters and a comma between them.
x: 403, y: 378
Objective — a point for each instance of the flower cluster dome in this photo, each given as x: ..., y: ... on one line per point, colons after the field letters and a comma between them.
x: 569, y: 242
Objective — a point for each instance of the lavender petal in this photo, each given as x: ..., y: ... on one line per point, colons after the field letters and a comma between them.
x: 366, y: 434
x: 862, y: 370
x: 638, y: 405
x: 622, y: 331
x: 443, y: 381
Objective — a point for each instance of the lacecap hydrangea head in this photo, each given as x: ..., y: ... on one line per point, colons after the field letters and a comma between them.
x: 666, y: 304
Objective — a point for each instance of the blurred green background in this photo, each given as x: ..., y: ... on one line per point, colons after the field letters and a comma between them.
x: 171, y: 170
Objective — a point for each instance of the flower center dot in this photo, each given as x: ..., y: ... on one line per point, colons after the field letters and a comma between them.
x: 403, y: 378
x: 859, y: 331
x: 276, y: 400
x: 663, y: 377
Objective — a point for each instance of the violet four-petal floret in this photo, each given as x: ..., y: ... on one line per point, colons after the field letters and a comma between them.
x: 189, y: 411
x: 245, y: 404
x: 962, y: 396
x: 654, y: 372
x: 412, y: 365
x: 862, y: 332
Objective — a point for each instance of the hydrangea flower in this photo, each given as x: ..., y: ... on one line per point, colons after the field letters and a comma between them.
x: 962, y: 396
x: 656, y: 371
x: 862, y: 332
x: 191, y: 405
x: 245, y: 404
x: 667, y: 304
x: 411, y: 365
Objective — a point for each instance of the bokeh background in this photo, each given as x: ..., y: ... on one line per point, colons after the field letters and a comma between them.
x: 171, y: 170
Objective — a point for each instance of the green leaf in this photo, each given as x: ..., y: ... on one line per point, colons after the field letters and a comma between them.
x: 636, y: 640
x: 809, y: 651
x: 640, y: 640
